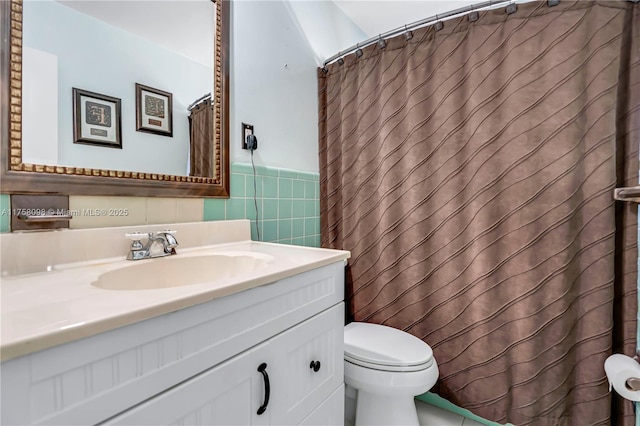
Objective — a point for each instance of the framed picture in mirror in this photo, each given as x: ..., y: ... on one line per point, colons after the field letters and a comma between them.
x: 96, y: 119
x: 154, y: 111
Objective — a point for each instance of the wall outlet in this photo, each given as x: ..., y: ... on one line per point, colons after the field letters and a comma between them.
x: 247, y: 129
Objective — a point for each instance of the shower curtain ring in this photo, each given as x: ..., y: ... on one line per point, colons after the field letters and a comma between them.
x: 439, y: 24
x: 381, y: 43
x: 473, y: 15
x: 408, y: 35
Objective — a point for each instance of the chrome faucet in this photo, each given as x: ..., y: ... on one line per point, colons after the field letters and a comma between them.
x: 160, y: 244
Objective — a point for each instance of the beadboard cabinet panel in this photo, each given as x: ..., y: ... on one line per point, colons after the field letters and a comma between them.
x: 319, y: 340
x: 220, y: 396
x: 329, y: 413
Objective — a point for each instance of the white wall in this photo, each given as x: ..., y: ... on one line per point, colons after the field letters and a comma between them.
x: 327, y: 29
x: 99, y: 58
x: 273, y: 87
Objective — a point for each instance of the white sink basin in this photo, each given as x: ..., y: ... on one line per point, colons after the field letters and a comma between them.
x: 178, y: 271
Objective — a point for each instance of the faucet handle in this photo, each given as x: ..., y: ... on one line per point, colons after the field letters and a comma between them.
x: 136, y: 237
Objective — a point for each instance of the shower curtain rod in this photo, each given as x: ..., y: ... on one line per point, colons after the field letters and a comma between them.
x: 424, y: 22
x: 432, y: 20
x: 197, y: 101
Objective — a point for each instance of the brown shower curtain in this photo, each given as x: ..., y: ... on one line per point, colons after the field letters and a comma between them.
x: 201, y: 131
x: 470, y: 171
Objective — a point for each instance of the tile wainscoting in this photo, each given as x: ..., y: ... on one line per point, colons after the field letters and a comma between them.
x: 288, y: 206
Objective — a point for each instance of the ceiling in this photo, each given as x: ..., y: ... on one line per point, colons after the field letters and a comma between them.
x: 378, y: 16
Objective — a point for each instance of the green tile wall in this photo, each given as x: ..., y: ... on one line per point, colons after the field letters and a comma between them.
x: 288, y: 204
x: 5, y: 213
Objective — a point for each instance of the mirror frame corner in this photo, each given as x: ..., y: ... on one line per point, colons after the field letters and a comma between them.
x: 20, y: 178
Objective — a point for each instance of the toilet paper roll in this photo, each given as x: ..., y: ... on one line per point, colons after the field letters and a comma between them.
x: 619, y: 368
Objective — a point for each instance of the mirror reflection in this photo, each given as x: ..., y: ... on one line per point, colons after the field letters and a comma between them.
x: 155, y: 57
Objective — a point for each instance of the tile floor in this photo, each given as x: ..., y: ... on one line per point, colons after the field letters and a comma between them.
x: 430, y: 415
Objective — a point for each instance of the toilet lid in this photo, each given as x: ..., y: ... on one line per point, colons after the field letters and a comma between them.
x: 385, y: 346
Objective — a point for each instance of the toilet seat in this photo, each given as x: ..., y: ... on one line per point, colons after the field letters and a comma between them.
x: 381, y: 367
x: 385, y: 348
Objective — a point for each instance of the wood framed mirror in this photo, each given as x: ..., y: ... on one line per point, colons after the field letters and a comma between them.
x: 19, y: 174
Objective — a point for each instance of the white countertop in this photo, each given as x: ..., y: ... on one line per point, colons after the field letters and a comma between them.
x: 46, y: 309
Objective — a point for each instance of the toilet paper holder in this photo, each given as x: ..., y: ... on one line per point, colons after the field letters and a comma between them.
x: 633, y: 383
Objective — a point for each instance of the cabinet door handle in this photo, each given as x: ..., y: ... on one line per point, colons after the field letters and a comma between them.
x: 315, y: 365
x: 267, y: 388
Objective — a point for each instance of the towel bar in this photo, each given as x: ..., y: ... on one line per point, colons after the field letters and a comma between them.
x: 630, y: 193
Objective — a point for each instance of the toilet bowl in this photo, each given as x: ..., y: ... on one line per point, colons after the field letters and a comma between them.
x: 386, y: 367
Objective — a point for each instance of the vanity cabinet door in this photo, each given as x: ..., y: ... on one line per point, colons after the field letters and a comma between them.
x: 329, y: 413
x: 307, y: 366
x: 220, y: 396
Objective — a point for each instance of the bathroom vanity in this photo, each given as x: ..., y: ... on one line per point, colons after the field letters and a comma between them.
x: 261, y: 345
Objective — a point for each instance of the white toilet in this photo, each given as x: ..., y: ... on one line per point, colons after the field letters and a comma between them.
x: 387, y: 367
